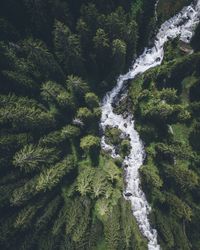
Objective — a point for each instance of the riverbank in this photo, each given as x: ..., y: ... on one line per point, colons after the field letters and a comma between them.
x: 165, y: 104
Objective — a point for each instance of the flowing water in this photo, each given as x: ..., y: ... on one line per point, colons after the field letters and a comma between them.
x: 181, y: 25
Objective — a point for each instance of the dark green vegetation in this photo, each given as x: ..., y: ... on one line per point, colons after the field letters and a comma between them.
x: 57, y: 189
x: 166, y: 104
x: 115, y: 137
x: 57, y: 59
x: 168, y: 8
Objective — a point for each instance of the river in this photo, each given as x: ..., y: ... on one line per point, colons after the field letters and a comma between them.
x: 181, y: 25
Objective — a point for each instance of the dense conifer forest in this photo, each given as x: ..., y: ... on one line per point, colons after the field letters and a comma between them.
x: 58, y: 189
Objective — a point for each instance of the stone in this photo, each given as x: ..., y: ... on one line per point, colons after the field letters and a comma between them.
x: 128, y: 194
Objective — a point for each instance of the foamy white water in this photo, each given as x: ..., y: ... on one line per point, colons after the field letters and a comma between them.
x: 181, y: 25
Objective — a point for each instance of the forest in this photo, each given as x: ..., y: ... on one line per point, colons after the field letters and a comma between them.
x: 165, y: 102
x: 58, y: 189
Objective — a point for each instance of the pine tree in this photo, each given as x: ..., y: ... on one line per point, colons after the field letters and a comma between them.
x: 90, y: 142
x: 51, y: 177
x: 60, y: 221
x: 48, y: 212
x: 67, y: 48
x: 119, y: 55
x: 77, y: 88
x: 24, y: 193
x: 22, y: 113
x: 33, y: 157
x: 70, y: 132
x: 92, y: 100
x: 26, y: 215
x: 112, y: 230
x: 84, y: 181
x: 112, y: 171
x: 38, y: 56
x: 99, y: 183
x: 55, y: 93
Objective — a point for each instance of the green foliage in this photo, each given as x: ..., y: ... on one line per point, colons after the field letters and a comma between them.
x: 25, y: 216
x: 22, y: 113
x: 50, y: 177
x: 112, y: 230
x: 99, y: 183
x: 165, y: 105
x: 84, y: 114
x: 151, y: 177
x: 178, y: 208
x: 59, y: 222
x: 32, y: 158
x: 131, y: 235
x: 89, y: 142
x: 113, y: 135
x: 44, y: 99
x: 39, y: 57
x: 53, y: 92
x: 119, y: 47
x: 49, y: 211
x: 102, y: 207
x: 121, y: 231
x: 194, y: 137
x: 56, y: 62
x: 101, y: 40
x: 152, y: 183
x: 76, y: 85
x: 23, y: 193
x: 161, y: 105
x: 92, y: 100
x: 70, y: 131
x: 77, y: 88
x: 119, y: 54
x: 125, y: 147
x: 164, y: 228
x: 6, y: 191
x: 112, y: 171
x: 53, y: 139
x: 9, y: 144
x: 185, y: 179
x: 84, y: 181
x: 67, y: 48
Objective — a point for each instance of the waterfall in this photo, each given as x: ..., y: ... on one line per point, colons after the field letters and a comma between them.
x: 181, y: 25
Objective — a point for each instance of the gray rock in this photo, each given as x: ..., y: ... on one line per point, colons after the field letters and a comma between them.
x: 128, y: 194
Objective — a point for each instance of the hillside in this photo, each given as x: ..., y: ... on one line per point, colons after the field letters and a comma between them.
x: 57, y: 59
x: 165, y: 102
x: 59, y: 190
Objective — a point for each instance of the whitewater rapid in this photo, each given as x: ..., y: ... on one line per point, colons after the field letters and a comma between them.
x: 181, y: 25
